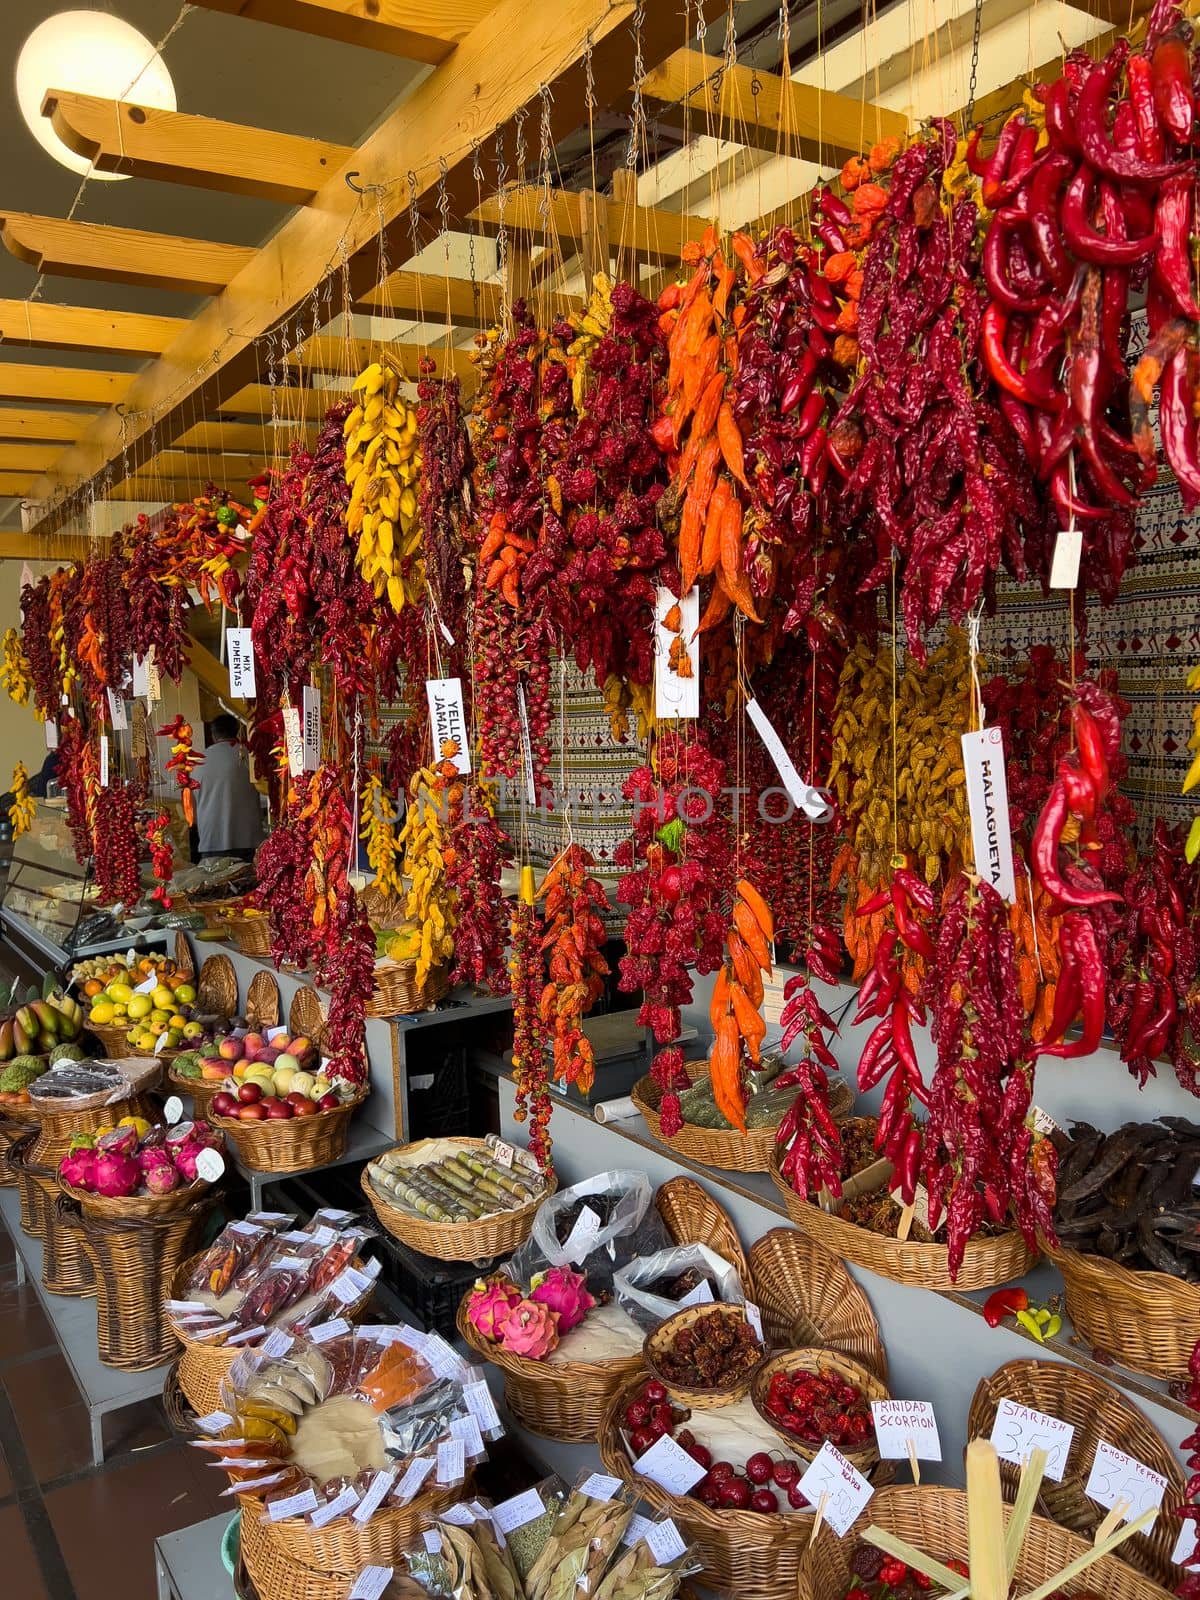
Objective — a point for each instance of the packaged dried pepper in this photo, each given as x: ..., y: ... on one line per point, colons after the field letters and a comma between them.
x: 233, y: 1251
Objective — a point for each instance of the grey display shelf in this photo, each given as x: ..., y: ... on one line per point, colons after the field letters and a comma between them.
x: 188, y: 1565
x: 103, y: 1388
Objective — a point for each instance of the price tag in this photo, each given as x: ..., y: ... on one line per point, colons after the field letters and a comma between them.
x: 899, y: 1423
x: 1018, y: 1430
x: 293, y: 741
x: 844, y: 1490
x: 371, y: 1582
x: 1187, y: 1547
x: 479, y: 1402
x: 467, y: 1429
x: 116, y: 712
x: 583, y: 1235
x: 677, y: 656
x: 451, y: 1461
x: 184, y: 1307
x: 312, y: 727
x: 811, y: 801
x: 51, y: 729
x: 104, y: 761
x: 531, y: 794
x: 277, y: 1343
x: 141, y: 678
x: 638, y: 1527
x: 1116, y: 1477
x: 26, y: 578
x: 699, y: 1296
x: 754, y: 1317
x: 459, y: 1516
x: 215, y: 1422
x: 239, y: 653
x: 172, y: 1111
x: 987, y: 799
x: 665, y: 1542
x: 247, y: 1335
x: 1064, y: 567
x: 432, y: 1541
x: 669, y: 1465
x: 442, y: 1359
x: 210, y: 1165
x: 414, y: 1476
x: 448, y: 720
x: 600, y: 1486
x: 374, y: 1497
x: 504, y: 1154
x: 1043, y: 1122
x: 295, y: 1505
x: 512, y: 1514
x: 153, y: 679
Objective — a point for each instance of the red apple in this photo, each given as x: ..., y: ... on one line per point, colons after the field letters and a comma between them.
x: 249, y: 1094
x: 302, y: 1106
x: 329, y: 1102
x: 268, y: 1055
x: 279, y: 1110
x: 224, y: 1104
x: 252, y: 1113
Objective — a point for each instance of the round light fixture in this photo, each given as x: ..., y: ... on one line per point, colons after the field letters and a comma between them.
x: 90, y: 52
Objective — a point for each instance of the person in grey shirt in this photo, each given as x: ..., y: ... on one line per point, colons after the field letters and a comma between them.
x: 228, y: 811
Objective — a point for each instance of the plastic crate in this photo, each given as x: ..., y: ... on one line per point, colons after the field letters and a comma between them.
x: 431, y: 1289
x: 438, y: 1098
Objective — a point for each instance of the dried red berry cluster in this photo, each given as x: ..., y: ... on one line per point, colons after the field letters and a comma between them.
x: 712, y: 1351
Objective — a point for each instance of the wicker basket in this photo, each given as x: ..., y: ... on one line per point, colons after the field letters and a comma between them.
x: 217, y: 988
x: 66, y: 1266
x: 263, y: 1005
x: 934, y: 1520
x: 274, y: 1575
x: 807, y: 1298
x: 56, y: 1128
x: 216, y: 913
x: 986, y: 1262
x: 398, y: 994
x: 720, y: 1147
x: 749, y: 1553
x: 32, y: 1195
x: 306, y: 1016
x: 132, y: 1207
x: 865, y: 1456
x: 201, y: 1091
x: 344, y: 1547
x: 252, y: 935
x: 1146, y: 1320
x: 293, y: 1144
x: 695, y: 1396
x: 1097, y: 1412
x: 692, y: 1216
x: 10, y: 1131
x: 182, y: 955
x: 134, y: 1259
x: 498, y: 1235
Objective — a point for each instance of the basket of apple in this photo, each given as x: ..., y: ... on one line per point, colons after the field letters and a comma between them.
x: 146, y: 1009
x: 136, y: 1170
x: 275, y: 1104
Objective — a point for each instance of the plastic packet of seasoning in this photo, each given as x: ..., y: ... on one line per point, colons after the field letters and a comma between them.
x: 651, y: 1562
x: 351, y: 1357
x: 231, y: 1252
x: 282, y: 1242
x: 524, y: 1520
x: 339, y: 1253
x: 481, y: 1565
x: 398, y: 1376
x: 424, y: 1570
x: 584, y: 1535
x: 338, y: 1499
x: 297, y: 1500
x: 260, y: 1486
x: 276, y: 1288
x: 418, y: 1425
x: 331, y: 1217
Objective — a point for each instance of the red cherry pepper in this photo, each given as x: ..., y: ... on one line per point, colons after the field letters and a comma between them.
x: 1145, y: 114
x: 1172, y: 264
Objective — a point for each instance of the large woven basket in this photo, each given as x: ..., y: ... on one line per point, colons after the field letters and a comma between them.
x: 825, y: 1362
x: 297, y: 1144
x: 692, y: 1216
x: 747, y: 1553
x: 32, y: 1195
x: 134, y: 1259
x: 67, y: 1267
x: 10, y: 1130
x: 986, y: 1261
x: 306, y: 1016
x: 1097, y: 1412
x: 252, y: 935
x: 695, y: 1397
x: 807, y: 1298
x: 217, y: 987
x: 398, y: 994
x: 720, y: 1147
x: 56, y: 1128
x: 263, y: 1005
x: 274, y: 1575
x: 113, y: 1041
x: 498, y: 1235
x: 934, y: 1520
x: 344, y: 1547
x: 135, y: 1207
x: 1146, y: 1320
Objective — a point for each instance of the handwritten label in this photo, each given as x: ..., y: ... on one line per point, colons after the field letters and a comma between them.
x: 467, y: 1429
x: 293, y: 740
x: 582, y: 1236
x: 371, y: 1501
x: 1187, y: 1547
x: 277, y: 1343
x: 414, y: 1476
x: 1018, y: 1430
x: 665, y: 1542
x: 325, y: 1331
x: 104, y: 761
x: 239, y: 653
x: 479, y: 1402
x: 451, y: 1461
x: 1115, y: 1477
x: 295, y: 1505
x: 987, y: 799
x: 1043, y: 1122
x: 901, y: 1422
x: 172, y: 1111
x: 512, y: 1514
x: 448, y: 720
x: 1064, y: 567
x: 312, y: 727
x: 116, y: 712
x: 699, y: 1296
x: 153, y: 678
x: 215, y: 1422
x: 754, y: 1317
x: 599, y: 1486
x: 504, y: 1154
x: 531, y: 794
x: 141, y: 678
x: 845, y: 1491
x: 669, y: 1465
x: 813, y: 802
x: 371, y: 1582
x: 441, y: 1358
x: 51, y: 735
x: 677, y: 692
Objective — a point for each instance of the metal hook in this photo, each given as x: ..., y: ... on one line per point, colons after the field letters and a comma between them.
x: 121, y: 408
x: 350, y: 183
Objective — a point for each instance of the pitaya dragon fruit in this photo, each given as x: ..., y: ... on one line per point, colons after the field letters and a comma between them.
x: 161, y: 1178
x: 116, y: 1175
x: 491, y: 1301
x: 564, y: 1290
x: 78, y: 1168
x: 529, y: 1329
x: 153, y: 1157
x: 185, y: 1159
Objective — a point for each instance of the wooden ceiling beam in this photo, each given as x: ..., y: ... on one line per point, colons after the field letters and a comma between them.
x: 48, y: 327
x: 28, y: 547
x: 15, y: 483
x: 122, y: 255
x: 765, y: 110
x: 26, y: 457
x: 251, y: 437
x: 329, y: 353
x: 233, y: 467
x: 299, y: 404
x: 655, y: 235
x: 418, y: 30
x: 62, y: 385
x: 203, y: 152
x: 427, y: 298
x: 17, y: 423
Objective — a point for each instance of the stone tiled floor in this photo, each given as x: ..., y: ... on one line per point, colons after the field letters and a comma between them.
x: 68, y: 1530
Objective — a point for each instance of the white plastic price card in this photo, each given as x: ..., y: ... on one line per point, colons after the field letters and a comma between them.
x: 371, y: 1582
x: 104, y: 761
x: 210, y: 1165
x: 376, y: 1492
x: 987, y: 799
x: 51, y: 735
x: 329, y: 1330
x: 802, y: 795
x: 844, y: 1491
x: 239, y: 653
x: 582, y: 1236
x: 448, y: 720
x: 295, y: 1505
x: 1019, y: 1430
x: 451, y: 1461
x: 1187, y: 1547
x: 669, y: 1465
x: 293, y: 740
x: 342, y: 1502
x: 512, y: 1514
x: 414, y: 1476
x: 899, y: 1423
x: 172, y: 1110
x: 677, y: 656
x: 1064, y: 565
x: 1116, y: 1478
x: 599, y: 1486
x: 312, y: 727
x: 116, y: 712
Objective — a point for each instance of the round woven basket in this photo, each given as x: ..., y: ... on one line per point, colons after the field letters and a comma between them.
x: 215, y: 912
x: 692, y: 1216
x: 498, y: 1235
x: 216, y: 987
x: 695, y: 1397
x: 32, y: 1195
x: 934, y: 1520
x: 808, y: 1300
x: 56, y: 1128
x: 274, y: 1575
x: 66, y: 1266
x: 986, y: 1261
x: 398, y: 994
x: 747, y: 1553
x: 306, y: 1016
x: 824, y: 1362
x: 344, y: 1547
x: 1097, y: 1412
x: 252, y: 935
x: 134, y: 1259
x: 1146, y: 1320
x: 134, y: 1207
x: 720, y: 1147
x: 294, y: 1144
x: 263, y: 1005
x: 182, y: 954
x: 201, y: 1091
x: 10, y: 1130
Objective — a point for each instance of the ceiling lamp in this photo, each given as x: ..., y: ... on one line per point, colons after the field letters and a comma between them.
x: 90, y: 52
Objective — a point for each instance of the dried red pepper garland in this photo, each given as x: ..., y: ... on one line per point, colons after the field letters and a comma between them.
x: 477, y: 848
x: 35, y: 640
x: 281, y: 866
x: 162, y: 857
x: 444, y: 498
x: 808, y: 1139
x: 530, y: 1049
x: 77, y: 775
x: 573, y: 944
x: 158, y: 608
x: 115, y: 852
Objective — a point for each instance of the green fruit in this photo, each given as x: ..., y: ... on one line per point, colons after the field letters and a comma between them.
x: 67, y: 1051
x: 46, y: 1016
x: 25, y: 1019
x: 22, y: 1039
x: 6, y: 1040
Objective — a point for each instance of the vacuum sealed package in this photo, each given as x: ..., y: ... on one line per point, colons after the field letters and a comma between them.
x: 651, y: 1563
x: 585, y: 1533
x: 597, y: 1226
x: 653, y: 1288
x: 233, y: 1250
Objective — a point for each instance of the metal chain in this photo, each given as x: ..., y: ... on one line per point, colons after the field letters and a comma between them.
x: 637, y: 120
x: 414, y: 216
x: 545, y: 149
x: 502, y: 230
x: 522, y: 154
x: 443, y: 204
x: 974, y: 61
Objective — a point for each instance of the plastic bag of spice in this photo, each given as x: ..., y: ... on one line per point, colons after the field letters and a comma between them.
x: 651, y: 1562
x: 597, y: 1225
x: 653, y: 1288
x: 585, y: 1533
x: 525, y: 1520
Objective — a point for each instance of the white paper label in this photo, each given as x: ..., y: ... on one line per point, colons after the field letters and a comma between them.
x: 669, y: 1465
x: 676, y: 693
x: 600, y: 1486
x: 582, y: 1236
x: 295, y: 1505
x: 104, y: 761
x: 247, y: 1335
x: 116, y: 712
x: 1115, y: 1477
x: 637, y: 1528
x: 141, y: 677
x: 504, y: 1154
x: 1043, y: 1122
x: 844, y: 1490
x: 239, y: 653
x: 414, y: 1476
x: 754, y: 1317
x: 377, y: 1490
x: 312, y: 727
x: 210, y: 1165
x: 432, y: 1541
x: 370, y: 1583
x: 448, y: 720
x: 172, y: 1111
x: 1187, y: 1547
x: 479, y: 1402
x: 987, y: 797
x: 466, y: 1429
x: 1018, y: 1430
x: 26, y: 575
x: 802, y: 795
x: 512, y: 1514
x: 531, y: 794
x: 699, y: 1296
x: 665, y: 1542
x: 1064, y: 567
x: 451, y: 1461
x: 153, y: 678
x: 443, y: 1360
x: 293, y: 740
x: 901, y: 1422
x: 51, y: 729
x: 337, y: 1507
x: 215, y: 1422
x: 277, y: 1343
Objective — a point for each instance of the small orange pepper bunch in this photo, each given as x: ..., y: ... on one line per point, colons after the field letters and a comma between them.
x: 736, y: 1006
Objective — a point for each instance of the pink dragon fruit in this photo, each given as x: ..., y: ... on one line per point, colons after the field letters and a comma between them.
x: 118, y: 1141
x: 79, y: 1168
x: 161, y: 1178
x: 116, y: 1175
x: 491, y: 1301
x: 153, y: 1157
x: 564, y: 1290
x: 184, y: 1157
x: 529, y: 1330
x: 204, y: 1134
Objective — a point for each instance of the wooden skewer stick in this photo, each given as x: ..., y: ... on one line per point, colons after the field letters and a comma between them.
x: 822, y: 1506
x: 985, y: 1523
x: 912, y: 1459
x: 1111, y: 1522
x: 904, y: 1226
x: 1083, y: 1562
x: 912, y: 1557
